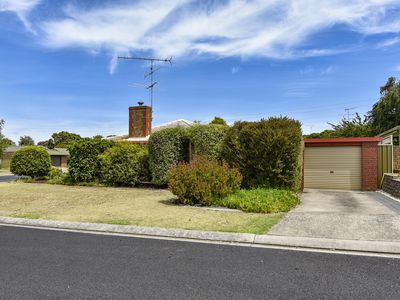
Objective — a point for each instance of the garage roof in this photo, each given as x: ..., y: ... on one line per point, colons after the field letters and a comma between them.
x: 343, y: 140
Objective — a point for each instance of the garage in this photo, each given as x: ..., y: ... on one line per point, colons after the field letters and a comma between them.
x: 341, y: 163
x: 333, y: 168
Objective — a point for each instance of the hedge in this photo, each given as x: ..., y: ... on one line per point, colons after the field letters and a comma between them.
x: 203, y: 181
x: 267, y: 153
x: 207, y: 140
x: 32, y: 161
x: 167, y: 148
x: 125, y: 164
x: 84, y: 163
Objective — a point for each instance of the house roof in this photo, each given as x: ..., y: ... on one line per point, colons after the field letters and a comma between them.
x: 55, y: 151
x: 343, y: 140
x: 395, y: 129
x: 177, y: 123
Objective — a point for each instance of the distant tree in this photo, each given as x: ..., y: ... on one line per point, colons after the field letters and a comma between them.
x: 98, y: 137
x: 2, y: 146
x: 218, y: 121
x: 385, y: 114
x: 63, y: 138
x: 51, y: 144
x: 43, y: 143
x: 26, y: 141
x: 356, y: 127
x: 7, y: 142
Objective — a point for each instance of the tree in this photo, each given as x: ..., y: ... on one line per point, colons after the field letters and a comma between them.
x: 63, y: 138
x: 98, y: 137
x: 7, y: 142
x: 51, y: 144
x: 1, y: 137
x: 26, y: 141
x: 218, y: 121
x: 43, y: 143
x: 385, y: 114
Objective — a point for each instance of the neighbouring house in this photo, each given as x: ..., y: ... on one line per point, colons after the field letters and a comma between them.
x: 140, y: 125
x: 341, y: 163
x: 392, y: 137
x: 59, y: 156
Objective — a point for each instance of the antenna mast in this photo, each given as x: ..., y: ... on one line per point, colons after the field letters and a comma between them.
x: 151, y: 73
x: 348, y: 109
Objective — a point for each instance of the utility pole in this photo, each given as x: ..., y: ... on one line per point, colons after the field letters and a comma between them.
x: 152, y: 83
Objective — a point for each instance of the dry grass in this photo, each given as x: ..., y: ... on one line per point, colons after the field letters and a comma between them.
x: 125, y: 206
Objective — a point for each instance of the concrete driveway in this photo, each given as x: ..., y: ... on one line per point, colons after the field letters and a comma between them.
x: 342, y: 215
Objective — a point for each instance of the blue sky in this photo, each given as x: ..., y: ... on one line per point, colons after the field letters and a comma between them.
x: 241, y: 60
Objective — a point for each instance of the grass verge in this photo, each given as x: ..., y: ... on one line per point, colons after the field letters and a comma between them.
x: 124, y: 206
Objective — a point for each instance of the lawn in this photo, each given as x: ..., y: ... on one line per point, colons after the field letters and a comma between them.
x: 125, y: 206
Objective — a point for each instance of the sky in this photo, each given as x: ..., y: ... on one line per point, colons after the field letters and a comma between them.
x: 237, y: 59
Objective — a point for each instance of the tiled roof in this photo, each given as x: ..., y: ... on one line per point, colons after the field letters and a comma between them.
x: 55, y: 151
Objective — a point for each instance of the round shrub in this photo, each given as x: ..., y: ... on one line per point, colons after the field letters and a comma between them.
x: 207, y: 140
x: 203, y: 181
x: 167, y: 148
x: 84, y: 163
x: 32, y: 161
x: 124, y: 164
x: 268, y: 153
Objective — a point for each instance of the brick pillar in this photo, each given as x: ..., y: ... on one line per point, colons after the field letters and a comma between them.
x: 369, y: 166
x: 396, y: 159
x: 139, y: 121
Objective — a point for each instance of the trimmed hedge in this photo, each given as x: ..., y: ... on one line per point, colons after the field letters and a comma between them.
x: 167, y: 148
x: 207, y: 140
x: 125, y: 164
x: 33, y: 161
x: 203, y: 181
x: 84, y: 163
x: 267, y: 153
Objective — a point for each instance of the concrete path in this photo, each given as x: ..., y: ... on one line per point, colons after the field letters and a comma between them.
x: 343, y: 215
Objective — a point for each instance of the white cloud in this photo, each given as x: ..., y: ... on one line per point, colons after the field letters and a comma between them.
x: 21, y: 8
x: 389, y: 42
x: 327, y: 71
x: 235, y: 70
x: 279, y: 29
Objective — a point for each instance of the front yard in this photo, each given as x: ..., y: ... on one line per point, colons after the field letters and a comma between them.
x: 124, y: 206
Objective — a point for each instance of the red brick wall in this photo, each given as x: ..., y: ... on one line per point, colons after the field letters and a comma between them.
x: 396, y: 159
x: 139, y: 121
x: 369, y: 166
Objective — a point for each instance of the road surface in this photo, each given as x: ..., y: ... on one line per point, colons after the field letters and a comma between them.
x: 44, y: 264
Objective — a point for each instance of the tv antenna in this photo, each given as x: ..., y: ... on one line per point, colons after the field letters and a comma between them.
x: 152, y: 83
x: 348, y: 109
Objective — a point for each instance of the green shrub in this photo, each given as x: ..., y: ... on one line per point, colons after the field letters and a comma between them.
x: 124, y: 164
x: 203, y: 181
x: 207, y: 140
x: 56, y: 176
x: 261, y: 200
x: 167, y: 148
x: 84, y: 164
x: 267, y: 153
x: 32, y: 161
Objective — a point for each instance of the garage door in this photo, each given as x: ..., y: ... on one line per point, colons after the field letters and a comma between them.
x: 332, y: 168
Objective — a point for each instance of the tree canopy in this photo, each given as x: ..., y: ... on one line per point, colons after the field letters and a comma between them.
x: 385, y: 114
x: 26, y: 141
x: 218, y: 121
x: 63, y: 138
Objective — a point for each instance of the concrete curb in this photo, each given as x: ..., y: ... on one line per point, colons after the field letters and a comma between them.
x: 383, y: 247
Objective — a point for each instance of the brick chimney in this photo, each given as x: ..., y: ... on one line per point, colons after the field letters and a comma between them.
x: 139, y: 121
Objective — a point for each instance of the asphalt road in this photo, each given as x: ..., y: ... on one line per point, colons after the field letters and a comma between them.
x: 41, y: 264
x: 7, y: 178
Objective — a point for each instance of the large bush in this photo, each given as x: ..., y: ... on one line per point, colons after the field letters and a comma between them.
x: 203, y: 181
x: 33, y: 161
x: 167, y: 148
x: 207, y: 140
x: 261, y: 200
x: 124, y: 164
x: 84, y: 163
x: 267, y: 153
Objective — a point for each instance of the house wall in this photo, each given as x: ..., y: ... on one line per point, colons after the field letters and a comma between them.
x: 64, y: 161
x: 369, y: 166
x: 396, y: 159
